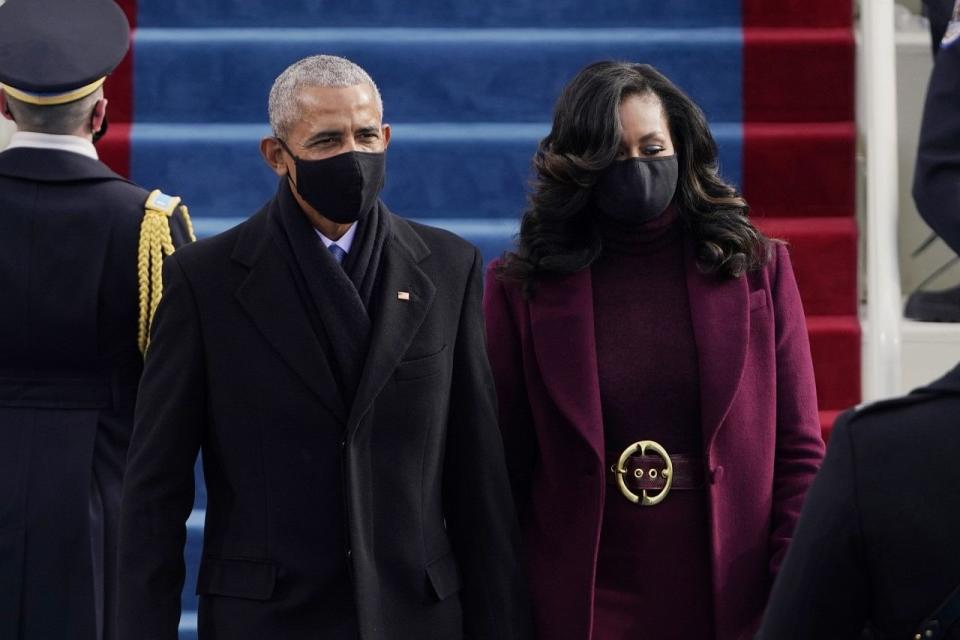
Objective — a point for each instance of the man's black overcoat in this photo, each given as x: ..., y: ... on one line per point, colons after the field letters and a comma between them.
x: 393, y: 510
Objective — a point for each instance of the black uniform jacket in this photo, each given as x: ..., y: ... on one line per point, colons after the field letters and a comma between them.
x: 69, y: 367
x: 405, y: 486
x: 877, y: 541
x: 936, y: 181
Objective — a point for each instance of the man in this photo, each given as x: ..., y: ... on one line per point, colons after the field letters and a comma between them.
x: 70, y: 316
x: 327, y: 357
x: 877, y: 541
x: 936, y: 182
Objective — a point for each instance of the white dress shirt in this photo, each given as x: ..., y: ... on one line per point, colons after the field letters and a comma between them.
x: 73, y: 144
x: 345, y: 241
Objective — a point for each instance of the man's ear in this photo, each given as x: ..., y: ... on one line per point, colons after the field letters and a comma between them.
x: 99, y: 115
x: 273, y: 155
x: 5, y: 106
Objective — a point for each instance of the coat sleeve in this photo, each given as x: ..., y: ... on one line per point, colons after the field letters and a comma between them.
x: 159, y: 483
x: 799, y: 444
x: 479, y: 510
x: 821, y: 591
x: 515, y: 417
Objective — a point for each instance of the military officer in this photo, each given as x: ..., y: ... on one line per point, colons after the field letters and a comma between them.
x: 876, y: 544
x: 80, y: 251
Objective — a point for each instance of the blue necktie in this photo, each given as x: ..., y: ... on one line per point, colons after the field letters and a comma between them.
x: 338, y: 253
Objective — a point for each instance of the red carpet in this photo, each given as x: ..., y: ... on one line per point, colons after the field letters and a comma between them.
x: 114, y: 147
x: 799, y: 172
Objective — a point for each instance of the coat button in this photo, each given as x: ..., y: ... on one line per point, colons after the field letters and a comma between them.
x: 717, y: 474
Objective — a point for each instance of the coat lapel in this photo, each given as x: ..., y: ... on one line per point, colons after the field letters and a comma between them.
x: 719, y: 311
x: 396, y: 320
x: 270, y: 297
x: 564, y: 340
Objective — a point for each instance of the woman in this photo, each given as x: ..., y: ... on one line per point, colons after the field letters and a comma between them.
x: 645, y: 328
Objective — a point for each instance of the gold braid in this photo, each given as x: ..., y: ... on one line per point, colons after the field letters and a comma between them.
x: 156, y: 243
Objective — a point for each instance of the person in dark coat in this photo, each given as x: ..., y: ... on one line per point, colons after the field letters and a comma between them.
x: 327, y: 358
x: 656, y: 389
x: 936, y: 181
x: 72, y: 312
x: 876, y: 545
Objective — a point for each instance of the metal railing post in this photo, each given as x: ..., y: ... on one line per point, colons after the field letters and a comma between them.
x: 881, y: 377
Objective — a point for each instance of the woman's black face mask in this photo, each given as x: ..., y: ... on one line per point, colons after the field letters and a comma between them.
x: 636, y: 190
x: 342, y: 188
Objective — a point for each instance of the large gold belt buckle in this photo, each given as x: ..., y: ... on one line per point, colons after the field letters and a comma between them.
x: 643, y: 446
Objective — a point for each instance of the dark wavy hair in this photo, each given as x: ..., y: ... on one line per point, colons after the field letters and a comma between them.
x: 559, y: 232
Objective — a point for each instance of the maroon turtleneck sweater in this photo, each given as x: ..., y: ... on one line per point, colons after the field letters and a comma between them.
x: 653, y: 570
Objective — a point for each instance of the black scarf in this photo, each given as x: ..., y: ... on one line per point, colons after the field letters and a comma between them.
x: 362, y: 264
x: 340, y: 297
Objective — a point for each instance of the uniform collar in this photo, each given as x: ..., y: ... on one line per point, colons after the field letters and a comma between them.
x: 73, y: 144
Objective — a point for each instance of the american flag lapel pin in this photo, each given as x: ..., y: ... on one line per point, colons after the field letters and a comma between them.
x: 403, y: 295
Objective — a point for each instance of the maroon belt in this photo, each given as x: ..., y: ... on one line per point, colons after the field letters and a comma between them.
x: 645, y: 466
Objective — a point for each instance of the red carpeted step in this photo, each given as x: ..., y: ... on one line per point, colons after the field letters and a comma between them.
x: 800, y: 169
x: 130, y: 8
x: 835, y: 345
x: 798, y: 75
x: 827, y: 419
x: 114, y: 148
x: 824, y: 256
x: 797, y: 13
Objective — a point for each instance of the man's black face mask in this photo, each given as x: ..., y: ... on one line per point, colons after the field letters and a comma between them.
x: 342, y: 188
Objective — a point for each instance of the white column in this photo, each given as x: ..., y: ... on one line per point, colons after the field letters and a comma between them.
x: 881, y: 375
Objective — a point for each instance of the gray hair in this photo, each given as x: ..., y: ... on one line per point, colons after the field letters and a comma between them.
x: 315, y: 71
x: 62, y: 119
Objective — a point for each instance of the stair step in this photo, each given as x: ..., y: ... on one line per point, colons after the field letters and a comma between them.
x: 827, y: 419
x: 784, y: 77
x: 437, y: 13
x: 835, y: 343
x: 192, y: 553
x: 804, y: 169
x: 471, y: 170
x: 433, y: 170
x: 797, y: 13
x: 425, y: 75
x: 188, y: 625
x: 824, y: 256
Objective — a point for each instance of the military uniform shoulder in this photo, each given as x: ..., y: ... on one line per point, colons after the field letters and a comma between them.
x: 889, y: 404
x: 126, y: 197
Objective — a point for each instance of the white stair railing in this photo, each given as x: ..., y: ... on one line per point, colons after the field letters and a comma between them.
x: 881, y: 375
